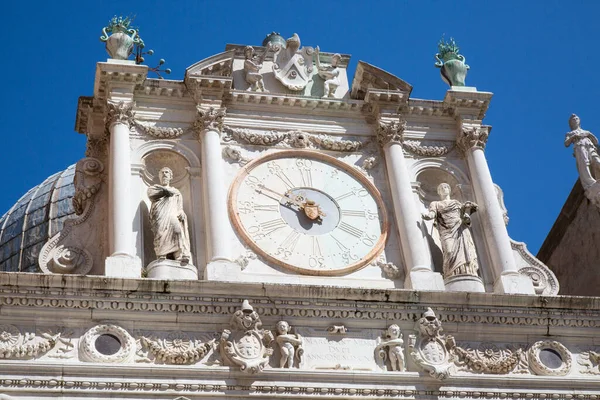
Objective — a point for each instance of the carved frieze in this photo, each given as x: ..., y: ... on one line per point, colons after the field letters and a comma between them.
x: 431, y: 350
x: 209, y: 118
x: 432, y: 150
x: 472, y: 137
x: 393, y: 132
x: 176, y: 348
x: 590, y: 361
x: 488, y: 358
x: 17, y: 345
x: 119, y: 112
x: 246, y: 345
x: 291, y: 139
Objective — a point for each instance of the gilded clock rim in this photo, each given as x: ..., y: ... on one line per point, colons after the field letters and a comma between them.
x: 239, y: 228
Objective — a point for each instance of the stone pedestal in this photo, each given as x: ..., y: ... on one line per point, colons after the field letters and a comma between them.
x: 172, y: 270
x: 424, y: 279
x: 123, y: 266
x: 464, y: 283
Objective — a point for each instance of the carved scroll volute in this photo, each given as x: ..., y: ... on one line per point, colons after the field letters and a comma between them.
x: 209, y: 118
x: 64, y: 253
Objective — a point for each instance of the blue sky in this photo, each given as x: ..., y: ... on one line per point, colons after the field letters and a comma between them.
x: 537, y: 57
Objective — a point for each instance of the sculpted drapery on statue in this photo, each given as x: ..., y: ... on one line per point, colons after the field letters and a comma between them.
x: 168, y: 220
x: 585, y: 152
x: 453, y: 221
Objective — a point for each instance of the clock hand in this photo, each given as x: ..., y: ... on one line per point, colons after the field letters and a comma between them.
x: 286, y: 196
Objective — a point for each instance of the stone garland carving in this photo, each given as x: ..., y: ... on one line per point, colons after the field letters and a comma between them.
x: 431, y: 350
x: 585, y: 151
x: 209, y: 118
x: 538, y: 367
x: 290, y: 345
x: 473, y: 137
x: 62, y: 254
x: 393, y: 132
x: 160, y: 132
x: 14, y: 344
x: 246, y: 345
x: 87, y: 345
x: 294, y: 139
x: 391, y: 347
x: 488, y: 359
x: 234, y: 155
x: 590, y: 361
x: 119, y: 112
x: 177, y: 348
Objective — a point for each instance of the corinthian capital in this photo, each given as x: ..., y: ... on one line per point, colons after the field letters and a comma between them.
x: 209, y: 118
x: 121, y: 112
x: 473, y: 137
x: 391, y: 132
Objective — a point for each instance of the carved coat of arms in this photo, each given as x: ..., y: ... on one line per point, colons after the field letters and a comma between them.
x: 293, y: 66
x: 431, y: 350
x: 246, y: 345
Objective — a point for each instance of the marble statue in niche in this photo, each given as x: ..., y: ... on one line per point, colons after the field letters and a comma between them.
x: 330, y: 73
x: 168, y: 220
x: 290, y: 345
x: 252, y: 66
x: 585, y: 151
x: 393, y: 343
x: 453, y: 221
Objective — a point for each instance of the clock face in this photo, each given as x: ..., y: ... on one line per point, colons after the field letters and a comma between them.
x: 308, y: 212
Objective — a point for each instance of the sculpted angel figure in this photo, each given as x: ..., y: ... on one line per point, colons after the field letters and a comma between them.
x: 252, y: 67
x: 168, y: 220
x: 330, y: 73
x: 290, y: 345
x: 585, y: 151
x: 394, y: 344
x: 453, y: 220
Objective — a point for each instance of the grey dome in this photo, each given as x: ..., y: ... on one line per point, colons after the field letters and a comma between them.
x: 36, y: 217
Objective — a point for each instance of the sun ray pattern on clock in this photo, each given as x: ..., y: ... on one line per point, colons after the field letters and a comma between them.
x: 308, y: 212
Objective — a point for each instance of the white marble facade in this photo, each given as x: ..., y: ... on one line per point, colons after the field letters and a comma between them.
x: 305, y: 218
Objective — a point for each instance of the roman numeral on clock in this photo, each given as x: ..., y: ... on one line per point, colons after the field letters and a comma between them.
x: 354, y: 231
x: 289, y: 243
x: 271, y: 226
x: 353, y: 213
x: 266, y: 207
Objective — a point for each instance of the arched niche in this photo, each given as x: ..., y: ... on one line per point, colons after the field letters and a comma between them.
x: 150, y: 163
x: 429, y: 174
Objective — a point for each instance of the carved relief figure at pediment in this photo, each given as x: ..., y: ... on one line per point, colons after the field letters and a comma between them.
x: 293, y: 66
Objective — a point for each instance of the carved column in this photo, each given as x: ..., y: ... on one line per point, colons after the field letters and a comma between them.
x: 122, y: 261
x: 417, y: 260
x: 472, y: 140
x: 209, y: 122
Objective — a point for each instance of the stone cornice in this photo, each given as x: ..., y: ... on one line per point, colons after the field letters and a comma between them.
x: 31, y: 287
x: 468, y: 104
x: 116, y: 73
x: 84, y: 109
x: 279, y: 100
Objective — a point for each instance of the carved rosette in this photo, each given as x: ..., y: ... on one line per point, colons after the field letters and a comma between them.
x: 14, y: 344
x: 473, y: 137
x: 246, y: 345
x: 431, y: 350
x: 209, y: 118
x: 88, y: 348
x: 119, y: 112
x: 391, y: 132
x: 176, y: 348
